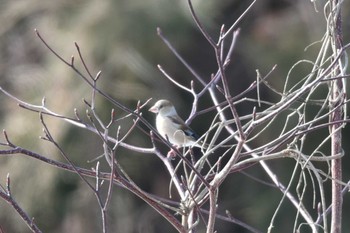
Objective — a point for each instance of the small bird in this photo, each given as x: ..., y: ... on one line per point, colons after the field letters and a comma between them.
x: 172, y: 127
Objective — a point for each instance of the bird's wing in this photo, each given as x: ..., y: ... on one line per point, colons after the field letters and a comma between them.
x: 183, y: 127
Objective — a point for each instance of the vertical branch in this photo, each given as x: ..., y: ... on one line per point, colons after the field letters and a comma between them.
x: 212, y: 209
x: 336, y: 108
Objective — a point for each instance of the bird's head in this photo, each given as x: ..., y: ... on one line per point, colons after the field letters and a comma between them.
x: 163, y: 108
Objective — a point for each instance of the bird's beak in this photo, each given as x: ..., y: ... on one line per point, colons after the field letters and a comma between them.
x: 153, y: 109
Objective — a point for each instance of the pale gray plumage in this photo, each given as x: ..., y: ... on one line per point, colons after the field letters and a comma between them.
x: 172, y: 127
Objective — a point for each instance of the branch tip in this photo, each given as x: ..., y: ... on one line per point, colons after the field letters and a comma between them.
x: 6, y: 137
x: 222, y: 30
x: 159, y: 31
x: 43, y: 101
x: 8, y: 183
x: 76, y: 114
x: 76, y: 45
x: 86, y: 102
x: 192, y: 85
x: 98, y: 75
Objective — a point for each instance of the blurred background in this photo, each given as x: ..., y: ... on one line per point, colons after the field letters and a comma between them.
x: 119, y: 38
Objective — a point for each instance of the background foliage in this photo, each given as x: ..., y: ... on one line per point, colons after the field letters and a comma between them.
x: 119, y: 37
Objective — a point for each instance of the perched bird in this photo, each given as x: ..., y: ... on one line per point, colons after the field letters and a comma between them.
x: 172, y: 127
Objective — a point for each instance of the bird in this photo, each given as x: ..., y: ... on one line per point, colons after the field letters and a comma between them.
x: 172, y: 128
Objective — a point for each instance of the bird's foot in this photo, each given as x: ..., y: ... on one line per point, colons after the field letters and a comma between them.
x: 172, y: 154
